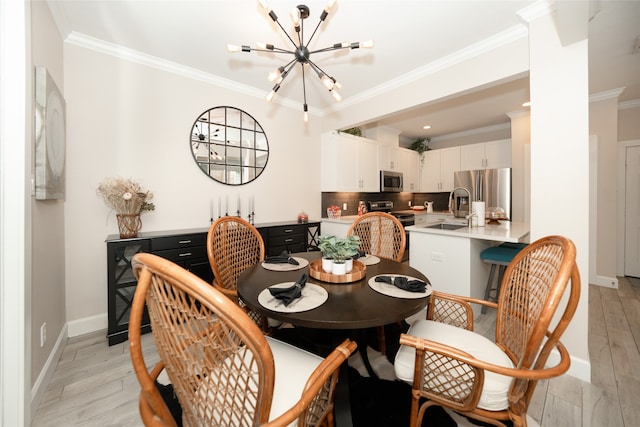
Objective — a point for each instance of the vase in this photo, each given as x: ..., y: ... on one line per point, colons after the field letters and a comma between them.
x: 327, y: 264
x: 129, y: 225
x: 339, y: 268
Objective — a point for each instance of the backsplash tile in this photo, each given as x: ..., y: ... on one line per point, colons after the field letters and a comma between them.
x: 400, y: 200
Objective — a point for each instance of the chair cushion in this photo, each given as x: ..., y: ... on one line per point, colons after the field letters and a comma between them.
x: 499, y: 254
x: 495, y: 389
x: 294, y: 366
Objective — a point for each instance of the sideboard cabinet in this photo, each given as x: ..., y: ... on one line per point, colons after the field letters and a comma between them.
x: 187, y: 248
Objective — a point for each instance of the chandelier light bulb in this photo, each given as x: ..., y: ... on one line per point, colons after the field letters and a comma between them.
x: 270, y: 95
x: 336, y: 95
x: 367, y: 44
x: 330, y: 5
x: 233, y: 48
x: 305, y: 115
x: 275, y: 74
x: 327, y: 82
x: 295, y: 17
x: 265, y: 5
x: 337, y: 84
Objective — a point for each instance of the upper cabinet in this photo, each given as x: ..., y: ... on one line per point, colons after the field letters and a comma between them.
x: 487, y: 155
x: 438, y: 168
x: 348, y: 163
x: 403, y: 160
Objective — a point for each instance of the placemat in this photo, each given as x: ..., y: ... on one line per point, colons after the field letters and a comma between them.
x: 285, y: 266
x: 393, y: 291
x: 369, y: 259
x: 312, y: 296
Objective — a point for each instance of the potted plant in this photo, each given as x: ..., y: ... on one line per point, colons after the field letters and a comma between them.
x: 336, y: 251
x: 420, y: 145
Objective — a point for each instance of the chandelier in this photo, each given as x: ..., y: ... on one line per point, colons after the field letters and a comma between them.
x: 301, y: 53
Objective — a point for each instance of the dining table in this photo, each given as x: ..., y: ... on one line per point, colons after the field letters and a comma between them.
x: 343, y: 308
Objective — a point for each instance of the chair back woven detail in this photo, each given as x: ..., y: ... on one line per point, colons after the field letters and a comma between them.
x: 531, y: 291
x: 220, y: 364
x: 381, y: 234
x: 233, y: 245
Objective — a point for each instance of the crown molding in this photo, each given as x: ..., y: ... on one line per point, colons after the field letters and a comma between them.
x: 508, y: 36
x: 607, y: 94
x: 519, y: 113
x: 635, y: 103
x: 535, y: 11
x: 127, y: 54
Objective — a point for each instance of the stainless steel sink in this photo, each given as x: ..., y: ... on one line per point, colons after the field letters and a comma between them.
x: 443, y: 226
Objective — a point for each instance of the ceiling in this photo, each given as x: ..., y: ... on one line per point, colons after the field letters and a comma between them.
x: 408, y: 35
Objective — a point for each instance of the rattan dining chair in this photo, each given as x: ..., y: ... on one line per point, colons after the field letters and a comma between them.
x: 233, y: 245
x: 381, y: 234
x: 450, y: 365
x: 222, y: 368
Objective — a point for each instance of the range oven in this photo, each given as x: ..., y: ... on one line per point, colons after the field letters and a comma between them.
x: 406, y: 219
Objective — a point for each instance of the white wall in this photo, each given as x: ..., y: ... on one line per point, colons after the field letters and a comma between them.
x: 560, y: 154
x: 131, y: 120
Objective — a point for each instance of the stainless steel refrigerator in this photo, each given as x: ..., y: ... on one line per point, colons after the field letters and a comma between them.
x: 492, y: 186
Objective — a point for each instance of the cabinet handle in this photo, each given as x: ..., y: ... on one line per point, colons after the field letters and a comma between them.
x: 288, y: 230
x: 185, y: 254
x: 183, y: 242
x: 288, y: 240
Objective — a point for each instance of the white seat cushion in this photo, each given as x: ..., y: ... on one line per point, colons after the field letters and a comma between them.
x: 293, y: 368
x: 495, y: 389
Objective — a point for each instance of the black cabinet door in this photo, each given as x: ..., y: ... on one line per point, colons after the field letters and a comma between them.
x: 121, y: 285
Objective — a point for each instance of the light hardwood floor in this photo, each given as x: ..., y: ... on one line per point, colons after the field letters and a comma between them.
x: 93, y: 384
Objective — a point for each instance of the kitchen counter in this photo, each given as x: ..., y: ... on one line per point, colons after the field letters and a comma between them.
x: 506, y: 231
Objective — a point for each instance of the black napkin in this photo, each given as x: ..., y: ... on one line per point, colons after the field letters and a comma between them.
x: 283, y: 258
x: 287, y: 295
x: 360, y: 254
x: 403, y: 283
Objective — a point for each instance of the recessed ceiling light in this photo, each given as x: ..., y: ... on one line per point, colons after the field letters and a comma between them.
x: 527, y: 104
x: 426, y: 127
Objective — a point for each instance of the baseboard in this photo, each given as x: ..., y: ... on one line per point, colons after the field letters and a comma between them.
x: 606, y: 282
x: 87, y: 325
x: 44, y: 378
x: 580, y: 368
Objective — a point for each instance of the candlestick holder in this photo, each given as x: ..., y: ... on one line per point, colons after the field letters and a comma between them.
x: 251, y: 217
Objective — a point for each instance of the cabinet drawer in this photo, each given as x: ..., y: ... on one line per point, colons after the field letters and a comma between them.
x: 181, y: 241
x: 183, y: 254
x: 286, y: 240
x: 286, y: 230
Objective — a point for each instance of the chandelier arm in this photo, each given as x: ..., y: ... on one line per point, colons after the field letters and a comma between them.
x: 274, y: 50
x: 317, y: 69
x: 337, y: 46
x: 286, y: 34
x: 304, y: 86
x: 314, y: 32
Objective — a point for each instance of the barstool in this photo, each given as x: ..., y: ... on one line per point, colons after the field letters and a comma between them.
x: 498, y: 256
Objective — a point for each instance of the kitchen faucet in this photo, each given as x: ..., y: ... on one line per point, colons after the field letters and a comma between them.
x: 451, y: 207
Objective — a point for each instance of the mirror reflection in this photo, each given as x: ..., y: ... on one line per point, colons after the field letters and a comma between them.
x: 229, y: 145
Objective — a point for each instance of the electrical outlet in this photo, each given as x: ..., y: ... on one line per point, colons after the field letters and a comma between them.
x: 43, y: 334
x: 344, y: 206
x: 437, y: 256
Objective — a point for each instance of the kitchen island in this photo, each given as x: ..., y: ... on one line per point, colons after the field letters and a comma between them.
x: 451, y: 258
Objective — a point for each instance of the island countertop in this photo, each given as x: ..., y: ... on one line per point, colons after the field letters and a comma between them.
x: 506, y: 231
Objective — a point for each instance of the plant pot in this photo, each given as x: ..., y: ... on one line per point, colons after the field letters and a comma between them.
x: 327, y: 264
x: 339, y: 268
x: 349, y: 264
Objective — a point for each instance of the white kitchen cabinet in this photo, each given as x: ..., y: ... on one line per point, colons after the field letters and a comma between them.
x: 348, y: 163
x: 486, y: 155
x: 438, y: 168
x: 403, y: 160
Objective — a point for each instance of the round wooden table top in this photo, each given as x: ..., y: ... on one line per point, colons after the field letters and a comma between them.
x: 349, y: 305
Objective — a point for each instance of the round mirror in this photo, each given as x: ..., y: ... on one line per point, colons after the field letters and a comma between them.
x: 229, y: 145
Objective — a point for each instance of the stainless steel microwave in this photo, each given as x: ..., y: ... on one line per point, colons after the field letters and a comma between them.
x: 391, y: 181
